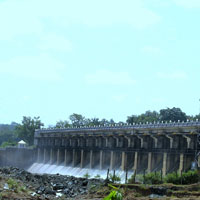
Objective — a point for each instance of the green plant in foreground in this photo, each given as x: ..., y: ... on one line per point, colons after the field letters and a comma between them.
x: 115, y: 194
x: 12, y: 183
x: 86, y: 175
x: 114, y: 178
x: 97, y: 176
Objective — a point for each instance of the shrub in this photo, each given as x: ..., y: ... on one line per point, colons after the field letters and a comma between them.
x: 97, y: 176
x: 114, y: 178
x: 189, y: 177
x: 172, y: 178
x: 150, y: 178
x: 12, y: 183
x: 86, y: 175
x: 153, y: 178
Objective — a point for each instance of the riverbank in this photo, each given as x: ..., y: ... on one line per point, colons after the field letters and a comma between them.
x: 19, y: 184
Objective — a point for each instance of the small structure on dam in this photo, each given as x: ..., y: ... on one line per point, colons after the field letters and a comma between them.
x: 152, y: 147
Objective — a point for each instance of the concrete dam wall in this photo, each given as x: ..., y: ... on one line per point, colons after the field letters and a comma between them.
x: 17, y: 157
x: 151, y: 147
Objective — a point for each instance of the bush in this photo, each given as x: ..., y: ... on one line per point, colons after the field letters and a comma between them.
x: 189, y: 177
x: 8, y: 144
x: 114, y: 178
x: 153, y: 178
x: 150, y: 178
x: 97, y: 176
x: 86, y: 175
x: 172, y: 178
x: 132, y: 179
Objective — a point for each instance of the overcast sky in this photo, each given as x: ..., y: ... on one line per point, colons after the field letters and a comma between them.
x: 98, y: 58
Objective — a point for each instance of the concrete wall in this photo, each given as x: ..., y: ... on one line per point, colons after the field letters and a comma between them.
x: 17, y: 157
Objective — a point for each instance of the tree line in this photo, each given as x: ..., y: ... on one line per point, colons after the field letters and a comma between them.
x: 11, y: 134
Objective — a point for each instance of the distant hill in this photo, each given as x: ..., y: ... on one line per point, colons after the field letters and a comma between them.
x: 7, y: 132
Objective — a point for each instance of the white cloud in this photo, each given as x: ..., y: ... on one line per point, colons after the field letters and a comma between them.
x: 176, y: 75
x: 158, y: 100
x: 152, y: 50
x: 107, y: 77
x: 55, y: 42
x: 40, y: 67
x: 188, y: 3
x: 21, y: 17
x: 119, y: 98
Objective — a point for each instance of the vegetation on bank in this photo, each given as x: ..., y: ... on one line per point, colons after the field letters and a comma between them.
x: 185, y: 178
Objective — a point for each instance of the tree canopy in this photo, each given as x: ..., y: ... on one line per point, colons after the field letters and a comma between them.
x: 168, y: 114
x: 26, y: 130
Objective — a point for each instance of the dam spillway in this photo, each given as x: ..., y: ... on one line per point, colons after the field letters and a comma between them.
x: 151, y: 147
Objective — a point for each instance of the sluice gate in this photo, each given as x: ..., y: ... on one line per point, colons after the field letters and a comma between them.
x: 151, y: 147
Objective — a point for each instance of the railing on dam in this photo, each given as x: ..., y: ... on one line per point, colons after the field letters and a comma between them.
x: 116, y: 127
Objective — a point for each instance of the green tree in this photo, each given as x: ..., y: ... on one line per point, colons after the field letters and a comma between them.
x: 148, y: 116
x: 7, y: 133
x: 63, y: 124
x: 26, y: 130
x: 173, y: 114
x: 77, y: 119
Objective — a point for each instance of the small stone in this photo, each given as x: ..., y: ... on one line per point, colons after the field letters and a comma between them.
x: 6, y: 187
x: 85, y: 182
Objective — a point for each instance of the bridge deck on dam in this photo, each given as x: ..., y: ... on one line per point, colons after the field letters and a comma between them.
x: 154, y: 146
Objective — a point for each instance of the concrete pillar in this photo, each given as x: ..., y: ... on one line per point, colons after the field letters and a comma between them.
x: 91, y: 159
x: 164, y: 168
x: 135, y: 161
x: 45, y: 156
x: 188, y: 141
x: 38, y: 155
x: 142, y: 141
x: 65, y: 160
x: 129, y: 141
x: 117, y: 141
x: 171, y: 141
x: 51, y: 156
x: 106, y: 141
x: 74, y: 158
x: 124, y: 161
x: 155, y: 141
x: 101, y: 160
x: 78, y: 142
x: 198, y: 161
x: 82, y: 158
x: 181, y: 162
x: 112, y: 160
x: 58, y: 156
x: 149, y: 168
x: 96, y: 142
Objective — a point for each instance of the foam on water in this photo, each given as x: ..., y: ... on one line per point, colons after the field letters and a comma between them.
x: 41, y: 168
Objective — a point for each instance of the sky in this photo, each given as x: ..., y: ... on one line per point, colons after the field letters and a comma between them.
x: 99, y: 58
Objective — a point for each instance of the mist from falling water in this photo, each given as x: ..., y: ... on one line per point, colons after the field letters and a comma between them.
x: 41, y: 168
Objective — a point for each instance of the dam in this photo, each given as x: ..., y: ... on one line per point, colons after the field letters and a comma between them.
x: 151, y: 147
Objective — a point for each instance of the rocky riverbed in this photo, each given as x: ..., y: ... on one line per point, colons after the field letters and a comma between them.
x: 44, y: 186
x: 18, y: 184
